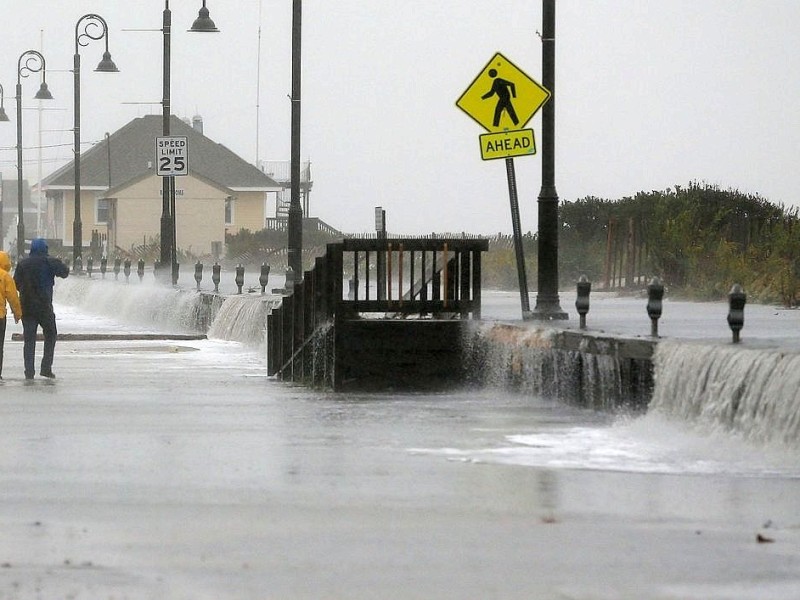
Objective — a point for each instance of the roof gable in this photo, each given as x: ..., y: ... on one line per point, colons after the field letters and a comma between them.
x: 132, y: 152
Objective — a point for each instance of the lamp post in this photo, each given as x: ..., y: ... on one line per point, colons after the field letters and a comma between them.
x: 89, y: 27
x: 294, y: 223
x: 547, y: 301
x: 202, y: 24
x: 3, y: 117
x: 30, y: 61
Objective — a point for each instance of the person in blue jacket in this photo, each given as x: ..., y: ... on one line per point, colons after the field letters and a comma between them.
x: 35, y: 276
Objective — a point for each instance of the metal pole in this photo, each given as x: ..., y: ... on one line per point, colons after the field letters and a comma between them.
x: 86, y: 29
x: 108, y: 155
x: 174, y: 255
x: 166, y: 184
x: 518, y: 250
x: 20, y: 224
x: 77, y: 226
x: 295, y: 218
x: 547, y: 301
x: 30, y: 61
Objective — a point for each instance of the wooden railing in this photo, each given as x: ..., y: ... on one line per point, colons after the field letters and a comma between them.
x: 370, y: 278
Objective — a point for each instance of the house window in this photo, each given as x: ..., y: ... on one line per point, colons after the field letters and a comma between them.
x: 229, y: 210
x: 103, y: 211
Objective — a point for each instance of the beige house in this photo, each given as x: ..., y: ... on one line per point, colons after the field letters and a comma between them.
x: 121, y: 192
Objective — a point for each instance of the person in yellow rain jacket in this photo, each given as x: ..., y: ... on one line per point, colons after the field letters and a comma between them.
x: 10, y: 296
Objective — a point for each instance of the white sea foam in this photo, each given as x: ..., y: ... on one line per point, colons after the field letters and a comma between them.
x: 754, y: 393
x: 243, y: 318
x: 645, y: 444
x: 140, y: 305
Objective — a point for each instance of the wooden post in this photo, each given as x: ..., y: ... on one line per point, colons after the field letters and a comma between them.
x: 423, y: 293
x: 630, y: 262
x: 609, y: 238
x: 436, y: 280
x: 287, y: 337
x: 308, y: 325
x: 271, y: 333
x: 476, y: 284
x: 355, y: 276
x: 335, y: 272
x: 400, y: 275
x: 389, y: 273
x: 366, y: 276
x: 445, y: 260
x: 465, y: 287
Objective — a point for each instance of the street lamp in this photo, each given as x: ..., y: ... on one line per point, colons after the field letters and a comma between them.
x: 30, y: 61
x: 3, y: 117
x: 202, y: 24
x: 548, y: 307
x: 294, y: 223
x: 94, y: 27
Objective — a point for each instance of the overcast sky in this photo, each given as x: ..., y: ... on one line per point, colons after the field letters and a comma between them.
x: 650, y: 93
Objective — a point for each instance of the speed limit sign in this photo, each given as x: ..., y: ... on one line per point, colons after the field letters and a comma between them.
x: 172, y: 156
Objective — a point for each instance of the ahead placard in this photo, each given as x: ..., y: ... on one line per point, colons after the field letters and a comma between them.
x: 507, y: 144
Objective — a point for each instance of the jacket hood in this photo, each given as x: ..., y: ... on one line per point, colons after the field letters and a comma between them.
x: 5, y: 261
x: 38, y: 247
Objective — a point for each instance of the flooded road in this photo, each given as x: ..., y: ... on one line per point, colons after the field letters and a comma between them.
x: 159, y: 469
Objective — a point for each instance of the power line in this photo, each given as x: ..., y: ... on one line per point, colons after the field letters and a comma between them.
x: 49, y: 146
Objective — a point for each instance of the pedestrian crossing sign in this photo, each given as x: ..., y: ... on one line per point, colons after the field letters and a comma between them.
x: 502, y: 97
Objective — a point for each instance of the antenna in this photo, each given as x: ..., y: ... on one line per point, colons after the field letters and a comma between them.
x: 258, y: 80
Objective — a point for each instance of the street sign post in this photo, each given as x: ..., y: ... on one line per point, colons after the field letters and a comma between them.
x: 502, y: 99
x: 172, y: 160
x: 172, y: 156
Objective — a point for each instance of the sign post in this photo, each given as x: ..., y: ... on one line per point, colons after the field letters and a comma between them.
x: 172, y: 160
x: 502, y: 99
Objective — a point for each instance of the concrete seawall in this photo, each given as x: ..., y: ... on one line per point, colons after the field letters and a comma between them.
x: 583, y: 368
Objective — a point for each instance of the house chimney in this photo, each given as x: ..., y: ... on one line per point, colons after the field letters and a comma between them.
x: 197, y: 123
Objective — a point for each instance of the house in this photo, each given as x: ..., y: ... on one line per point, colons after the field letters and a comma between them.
x: 121, y: 192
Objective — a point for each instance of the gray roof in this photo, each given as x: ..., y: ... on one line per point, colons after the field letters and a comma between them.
x: 133, y: 156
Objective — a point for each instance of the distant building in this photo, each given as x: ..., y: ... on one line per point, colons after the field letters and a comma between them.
x: 280, y: 171
x: 121, y: 192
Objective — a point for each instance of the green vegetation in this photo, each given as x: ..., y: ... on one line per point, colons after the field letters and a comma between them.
x: 699, y: 239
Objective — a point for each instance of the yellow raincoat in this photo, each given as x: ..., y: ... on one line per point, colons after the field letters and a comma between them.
x: 8, y: 289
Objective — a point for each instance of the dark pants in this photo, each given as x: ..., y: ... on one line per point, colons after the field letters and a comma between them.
x: 2, y: 342
x: 30, y: 324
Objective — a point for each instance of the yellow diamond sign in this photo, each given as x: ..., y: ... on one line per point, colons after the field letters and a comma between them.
x: 502, y: 97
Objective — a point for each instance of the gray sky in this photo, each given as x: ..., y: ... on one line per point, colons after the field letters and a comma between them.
x: 650, y: 94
